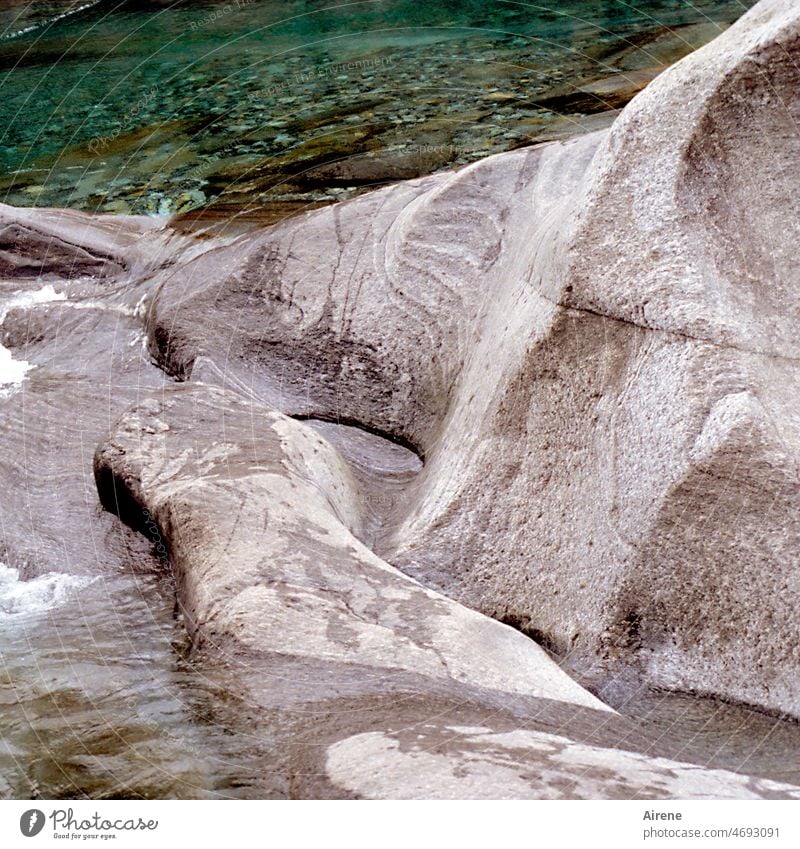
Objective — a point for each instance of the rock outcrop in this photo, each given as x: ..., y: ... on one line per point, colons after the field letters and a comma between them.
x: 74, y: 288
x: 592, y: 344
x: 657, y: 404
x: 462, y: 762
x: 261, y: 514
x: 555, y: 388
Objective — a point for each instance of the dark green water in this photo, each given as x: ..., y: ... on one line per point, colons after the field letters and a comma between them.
x: 152, y: 108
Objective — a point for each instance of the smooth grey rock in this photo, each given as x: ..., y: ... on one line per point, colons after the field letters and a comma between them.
x: 688, y: 217
x: 261, y: 515
x: 74, y: 288
x: 573, y: 370
x: 654, y: 391
x: 591, y: 344
x: 439, y: 761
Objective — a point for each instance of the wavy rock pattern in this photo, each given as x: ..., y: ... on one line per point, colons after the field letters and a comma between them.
x: 260, y: 512
x: 658, y: 408
x: 590, y: 344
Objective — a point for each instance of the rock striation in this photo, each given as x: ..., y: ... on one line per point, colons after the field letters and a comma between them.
x: 592, y: 344
x: 555, y: 388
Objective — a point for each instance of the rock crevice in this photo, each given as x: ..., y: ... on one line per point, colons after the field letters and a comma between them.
x: 591, y: 343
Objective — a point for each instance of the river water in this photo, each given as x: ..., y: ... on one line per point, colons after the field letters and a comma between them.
x: 91, y: 692
x: 155, y: 108
x: 122, y: 107
x: 98, y: 699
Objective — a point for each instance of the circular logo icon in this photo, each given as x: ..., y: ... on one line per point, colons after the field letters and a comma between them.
x: 31, y: 822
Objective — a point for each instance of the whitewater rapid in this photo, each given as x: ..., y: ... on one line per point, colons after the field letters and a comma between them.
x: 30, y: 598
x: 12, y: 370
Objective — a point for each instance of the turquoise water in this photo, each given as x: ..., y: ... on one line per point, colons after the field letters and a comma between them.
x: 194, y: 108
x: 149, y: 108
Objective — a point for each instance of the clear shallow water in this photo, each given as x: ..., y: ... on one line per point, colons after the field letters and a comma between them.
x: 138, y: 107
x: 98, y: 700
x: 96, y: 697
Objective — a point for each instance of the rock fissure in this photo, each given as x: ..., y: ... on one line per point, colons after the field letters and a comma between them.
x: 594, y: 472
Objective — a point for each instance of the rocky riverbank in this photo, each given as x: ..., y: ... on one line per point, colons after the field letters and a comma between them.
x: 553, y: 389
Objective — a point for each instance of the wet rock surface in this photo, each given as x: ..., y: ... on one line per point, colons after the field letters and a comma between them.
x: 277, y: 97
x: 552, y: 388
x: 263, y: 519
x: 75, y: 288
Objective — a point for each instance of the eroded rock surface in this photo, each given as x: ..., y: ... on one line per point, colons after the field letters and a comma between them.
x: 653, y: 386
x: 593, y: 346
x: 74, y: 288
x: 262, y: 516
x: 556, y: 388
x: 462, y: 762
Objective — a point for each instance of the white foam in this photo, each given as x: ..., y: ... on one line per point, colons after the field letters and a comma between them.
x: 28, y: 598
x: 27, y: 298
x: 7, y: 36
x: 12, y: 372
